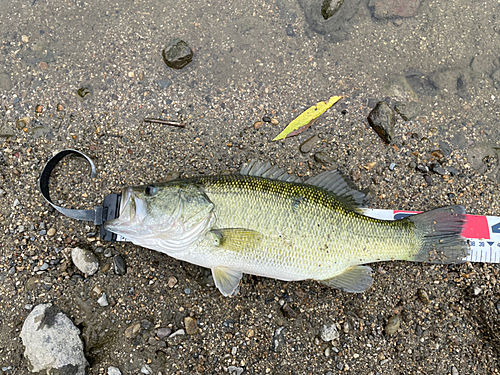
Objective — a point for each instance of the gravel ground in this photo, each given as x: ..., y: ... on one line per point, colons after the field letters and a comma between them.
x: 251, y: 59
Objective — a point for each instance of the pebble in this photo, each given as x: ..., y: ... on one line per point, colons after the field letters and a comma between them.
x: 423, y: 297
x: 163, y: 332
x: 51, y: 232
x: 44, y: 267
x: 323, y: 158
x: 278, y: 342
x: 119, y: 265
x: 108, y: 252
x: 233, y: 370
x: 454, y: 370
x: 52, y: 342
x: 392, y: 166
x: 171, y: 281
x: 114, y: 371
x: 329, y: 332
x: 382, y: 120
x: 103, y: 301
x: 85, y: 260
x: 177, y: 54
x: 392, y: 325
x: 288, y: 312
x: 308, y: 145
x: 132, y: 330
x: 191, y: 325
x: 146, y: 369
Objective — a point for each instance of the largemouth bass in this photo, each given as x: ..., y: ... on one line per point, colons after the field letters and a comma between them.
x: 266, y: 222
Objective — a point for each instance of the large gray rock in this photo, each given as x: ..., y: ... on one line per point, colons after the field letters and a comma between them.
x: 85, y: 260
x: 52, y: 342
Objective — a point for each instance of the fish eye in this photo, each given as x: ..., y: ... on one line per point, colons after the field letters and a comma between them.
x: 151, y: 190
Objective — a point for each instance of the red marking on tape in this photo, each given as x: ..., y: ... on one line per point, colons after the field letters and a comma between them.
x: 476, y: 227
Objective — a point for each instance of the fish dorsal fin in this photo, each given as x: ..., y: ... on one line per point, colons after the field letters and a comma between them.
x: 258, y: 168
x: 355, y: 279
x: 236, y: 239
x: 226, y: 280
x: 335, y: 183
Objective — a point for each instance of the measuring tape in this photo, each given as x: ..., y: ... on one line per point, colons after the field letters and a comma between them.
x: 482, y: 233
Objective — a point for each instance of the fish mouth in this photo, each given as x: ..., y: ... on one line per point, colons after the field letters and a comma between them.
x: 133, y: 210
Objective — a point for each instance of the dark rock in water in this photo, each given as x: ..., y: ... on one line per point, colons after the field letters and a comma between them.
x: 421, y: 83
x: 407, y: 111
x: 52, y: 342
x: 394, y: 8
x: 308, y: 145
x: 330, y: 7
x: 84, y: 91
x: 382, y: 119
x: 323, y: 158
x: 5, y: 82
x: 164, y: 83
x: 330, y: 17
x: 177, y: 54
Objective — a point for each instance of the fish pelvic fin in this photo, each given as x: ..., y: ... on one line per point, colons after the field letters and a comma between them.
x: 439, y: 234
x: 355, y: 279
x: 226, y: 280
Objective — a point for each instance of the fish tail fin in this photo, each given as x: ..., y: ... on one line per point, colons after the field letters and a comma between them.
x: 439, y: 232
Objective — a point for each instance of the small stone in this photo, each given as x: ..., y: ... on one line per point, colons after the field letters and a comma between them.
x: 323, y: 158
x: 275, y: 121
x: 392, y: 166
x: 258, y: 124
x: 172, y: 281
x: 164, y: 83
x: 114, y: 371
x: 132, y: 330
x: 44, y: 266
x: 191, y: 325
x: 233, y: 370
x: 384, y: 361
x: 308, y: 145
x: 177, y: 54
x: 382, y: 121
x: 85, y: 260
x: 423, y: 297
x: 407, y: 111
x: 25, y: 38
x: 119, y: 265
x: 146, y: 369
x: 250, y: 333
x: 131, y: 74
x: 392, y: 325
x: 108, y: 252
x: 84, y: 92
x: 43, y: 65
x: 329, y: 332
x: 266, y: 118
x: 103, y: 301
x: 278, y: 342
x: 60, y: 108
x: 163, y: 332
x: 454, y: 370
x: 288, y: 312
x: 51, y: 232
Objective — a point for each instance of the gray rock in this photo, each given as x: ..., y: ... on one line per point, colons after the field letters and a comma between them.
x: 163, y: 332
x: 407, y: 111
x: 278, y: 342
x: 233, y: 370
x: 308, y: 145
x: 485, y: 159
x: 392, y: 325
x: 382, y: 120
x: 119, y: 265
x: 177, y: 54
x: 103, y: 301
x: 146, y: 370
x: 5, y: 82
x: 164, y: 83
x: 52, y: 342
x: 85, y: 260
x: 114, y: 371
x: 329, y: 332
x: 484, y: 63
x: 323, y: 158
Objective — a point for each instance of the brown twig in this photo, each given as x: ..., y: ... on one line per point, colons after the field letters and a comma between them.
x: 165, y: 122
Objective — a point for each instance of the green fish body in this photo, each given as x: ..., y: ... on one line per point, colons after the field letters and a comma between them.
x: 265, y: 222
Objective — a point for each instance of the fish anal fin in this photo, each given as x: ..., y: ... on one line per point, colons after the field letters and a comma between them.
x: 355, y: 279
x: 236, y: 239
x: 226, y: 280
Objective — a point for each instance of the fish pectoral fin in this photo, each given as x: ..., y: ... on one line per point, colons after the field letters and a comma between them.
x: 236, y: 239
x: 355, y: 279
x: 226, y: 280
